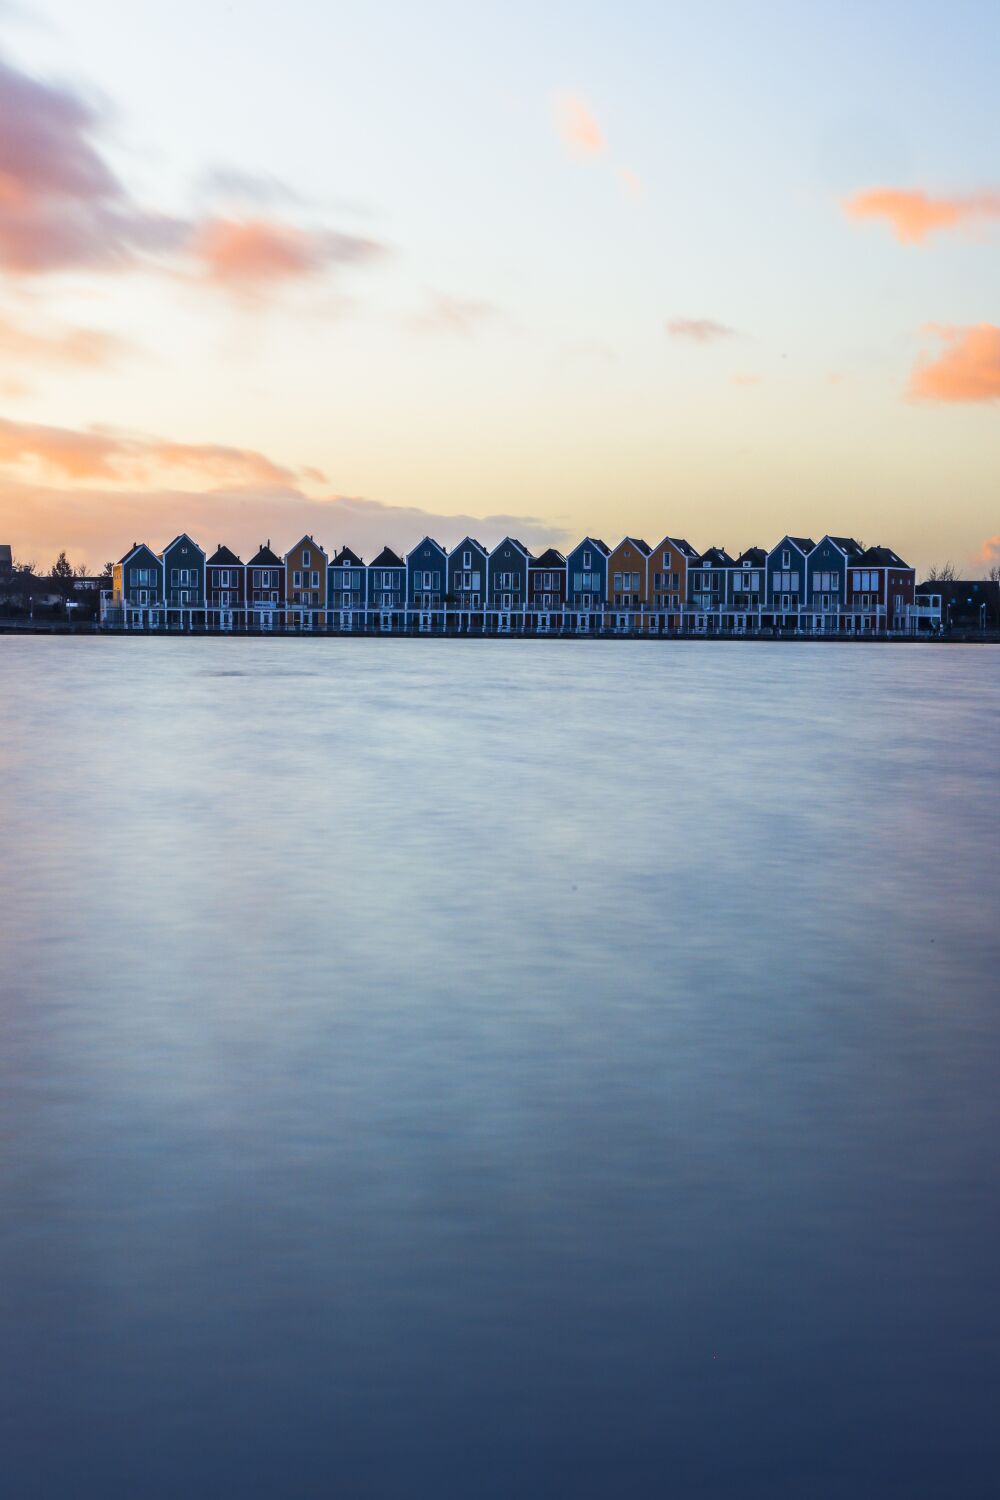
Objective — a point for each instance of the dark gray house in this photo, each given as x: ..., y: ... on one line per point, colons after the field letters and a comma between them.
x: 787, y: 574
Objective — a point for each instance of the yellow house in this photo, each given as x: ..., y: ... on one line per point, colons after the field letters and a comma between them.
x: 628, y: 582
x: 305, y: 585
x: 667, y: 586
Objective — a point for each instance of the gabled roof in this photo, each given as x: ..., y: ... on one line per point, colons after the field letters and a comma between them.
x: 182, y: 537
x: 138, y: 547
x: 514, y: 543
x: 753, y: 557
x: 312, y: 542
x: 422, y: 543
x: 682, y: 546
x: 633, y: 541
x: 223, y: 555
x: 387, y: 559
x: 345, y: 558
x: 881, y: 557
x: 847, y: 544
x: 592, y: 541
x: 718, y: 557
x: 549, y: 559
x: 469, y: 541
x: 265, y: 558
x: 805, y: 544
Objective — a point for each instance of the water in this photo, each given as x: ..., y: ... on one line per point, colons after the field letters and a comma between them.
x: 492, y: 1069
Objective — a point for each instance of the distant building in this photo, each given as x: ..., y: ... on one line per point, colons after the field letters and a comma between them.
x: 6, y: 562
x: 467, y: 567
x: 347, y: 580
x: 225, y: 589
x: 966, y: 603
x: 547, y: 590
x: 627, y: 582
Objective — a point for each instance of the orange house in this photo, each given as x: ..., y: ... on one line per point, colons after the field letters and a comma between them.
x: 667, y: 582
x: 628, y: 585
x: 305, y: 585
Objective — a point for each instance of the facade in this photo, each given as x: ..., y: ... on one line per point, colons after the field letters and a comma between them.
x: 265, y: 590
x: 387, y: 591
x: 137, y: 587
x: 787, y: 573
x: 6, y: 563
x: 305, y: 585
x: 667, y: 587
x: 426, y: 575
x: 709, y: 591
x: 825, y: 598
x: 880, y: 591
x: 587, y: 583
x: 748, y: 591
x: 546, y: 591
x: 225, y: 590
x: 184, y: 583
x: 468, y: 564
x: 507, y: 578
x: 961, y: 603
x: 627, y: 583
x: 347, y: 588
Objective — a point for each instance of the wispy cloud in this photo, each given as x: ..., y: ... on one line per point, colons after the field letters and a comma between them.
x: 699, y: 330
x: 967, y: 370
x: 454, y: 315
x: 989, y: 552
x: 68, y: 346
x: 252, y: 254
x: 914, y: 214
x: 748, y: 379
x: 97, y: 453
x: 577, y: 127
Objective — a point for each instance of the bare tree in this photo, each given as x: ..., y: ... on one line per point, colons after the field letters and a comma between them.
x: 108, y: 570
x: 993, y: 572
x: 942, y: 573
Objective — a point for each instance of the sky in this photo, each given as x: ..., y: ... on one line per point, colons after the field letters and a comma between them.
x: 377, y: 271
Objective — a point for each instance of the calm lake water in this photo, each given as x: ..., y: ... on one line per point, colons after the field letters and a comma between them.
x: 499, y: 1069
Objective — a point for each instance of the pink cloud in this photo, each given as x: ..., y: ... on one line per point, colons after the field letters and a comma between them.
x: 699, y: 330
x: 250, y: 254
x: 72, y: 346
x: 914, y: 214
x: 577, y: 128
x: 968, y: 369
x: 99, y: 454
x: 989, y: 552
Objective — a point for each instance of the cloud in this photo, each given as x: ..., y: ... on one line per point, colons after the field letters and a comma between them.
x: 454, y: 315
x: 250, y: 254
x: 989, y: 552
x: 577, y: 128
x: 699, y: 330
x: 968, y: 370
x: 748, y: 379
x: 914, y: 214
x: 71, y: 346
x: 39, y: 520
x: 97, y: 453
x: 61, y: 206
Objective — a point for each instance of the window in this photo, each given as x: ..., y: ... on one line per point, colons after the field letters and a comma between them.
x: 466, y: 559
x: 306, y: 559
x: 786, y: 558
x: 297, y: 579
x: 586, y: 560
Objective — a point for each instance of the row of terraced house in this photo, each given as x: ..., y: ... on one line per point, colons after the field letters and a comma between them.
x: 832, y: 587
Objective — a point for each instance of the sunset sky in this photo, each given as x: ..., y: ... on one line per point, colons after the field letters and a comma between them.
x: 722, y: 270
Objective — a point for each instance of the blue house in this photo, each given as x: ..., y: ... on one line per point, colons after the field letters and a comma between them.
x: 708, y: 590
x: 346, y: 587
x: 426, y: 573
x: 184, y: 582
x: 387, y: 589
x: 137, y: 587
x: 468, y: 564
x: 748, y: 590
x: 587, y: 581
x: 826, y: 592
x: 787, y: 570
x: 508, y: 582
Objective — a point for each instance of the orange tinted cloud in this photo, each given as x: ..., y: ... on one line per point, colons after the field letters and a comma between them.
x: 989, y: 552
x: 967, y: 370
x: 73, y: 346
x: 699, y: 330
x: 577, y: 128
x: 253, y: 253
x: 747, y: 379
x: 914, y: 214
x: 95, y: 453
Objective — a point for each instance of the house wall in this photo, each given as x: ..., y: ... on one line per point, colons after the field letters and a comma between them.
x: 184, y: 554
x: 627, y: 558
x: 506, y: 558
x: 598, y: 566
x: 427, y: 557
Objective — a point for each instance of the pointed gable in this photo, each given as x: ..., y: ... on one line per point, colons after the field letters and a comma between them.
x: 387, y: 559
x: 223, y: 557
x: 264, y: 557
